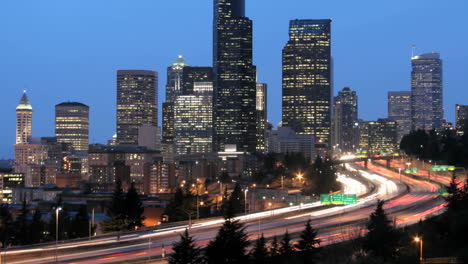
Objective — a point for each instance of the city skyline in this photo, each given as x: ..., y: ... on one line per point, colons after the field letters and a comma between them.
x: 45, y: 93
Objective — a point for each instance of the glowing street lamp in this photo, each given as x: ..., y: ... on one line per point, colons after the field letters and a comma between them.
x: 420, y: 241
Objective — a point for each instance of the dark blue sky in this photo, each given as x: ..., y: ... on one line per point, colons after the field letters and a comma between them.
x: 70, y: 50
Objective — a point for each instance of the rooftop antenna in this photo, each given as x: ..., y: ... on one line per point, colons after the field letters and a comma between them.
x: 413, y: 50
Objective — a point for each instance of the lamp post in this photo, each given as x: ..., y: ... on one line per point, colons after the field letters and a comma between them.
x: 245, y: 200
x: 56, y: 231
x: 91, y: 224
x: 420, y: 241
x: 399, y: 173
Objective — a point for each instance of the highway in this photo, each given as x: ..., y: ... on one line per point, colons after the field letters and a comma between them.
x: 408, y: 200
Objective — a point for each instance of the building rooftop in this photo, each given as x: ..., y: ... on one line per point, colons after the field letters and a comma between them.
x: 24, y: 103
x: 71, y: 104
x: 427, y: 56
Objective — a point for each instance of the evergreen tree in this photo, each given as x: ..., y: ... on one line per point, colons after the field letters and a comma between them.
x: 6, y: 225
x: 37, y: 228
x: 259, y: 253
x: 175, y: 209
x: 237, y: 199
x: 274, y: 248
x: 308, y: 243
x: 286, y: 248
x: 382, y: 240
x: 22, y: 226
x: 80, y: 224
x: 230, y: 244
x: 185, y: 251
x: 133, y: 208
x: 116, y: 212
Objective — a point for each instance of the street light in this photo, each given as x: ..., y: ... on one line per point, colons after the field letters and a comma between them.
x: 420, y: 241
x: 56, y: 231
x: 399, y: 173
x: 245, y: 200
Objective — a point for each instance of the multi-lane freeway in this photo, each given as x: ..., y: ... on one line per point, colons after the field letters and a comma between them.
x: 409, y: 199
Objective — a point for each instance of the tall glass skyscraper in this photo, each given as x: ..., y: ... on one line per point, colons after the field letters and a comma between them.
x: 399, y: 110
x: 426, y: 91
x: 261, y: 117
x: 234, y: 95
x: 72, y: 125
x: 136, y: 103
x: 345, y: 121
x: 307, y: 79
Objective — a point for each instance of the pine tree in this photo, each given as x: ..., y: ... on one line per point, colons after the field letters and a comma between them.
x: 6, y: 225
x: 185, y: 251
x: 133, y: 208
x: 308, y: 243
x: 21, y: 226
x: 230, y: 244
x: 80, y: 224
x: 37, y: 228
x: 116, y: 211
x: 274, y: 248
x: 286, y: 248
x: 259, y: 253
x: 237, y: 199
x: 382, y: 240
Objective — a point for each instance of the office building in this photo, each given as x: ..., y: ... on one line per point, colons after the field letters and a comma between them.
x: 9, y: 181
x: 307, y: 79
x: 174, y: 79
x: 190, y: 75
x: 193, y: 120
x: 378, y: 137
x: 345, y: 121
x: 234, y: 94
x: 136, y: 103
x: 24, y: 113
x: 261, y: 109
x: 399, y: 110
x: 72, y: 125
x: 461, y: 117
x: 285, y: 140
x: 426, y: 92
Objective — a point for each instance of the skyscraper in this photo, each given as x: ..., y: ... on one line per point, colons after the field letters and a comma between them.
x: 426, y: 91
x: 378, y: 136
x: 190, y: 75
x: 174, y: 79
x: 399, y: 110
x: 307, y: 78
x: 234, y: 94
x: 136, y: 103
x: 193, y: 124
x: 345, y: 120
x: 72, y: 125
x: 23, y: 120
x: 261, y: 107
x: 461, y: 117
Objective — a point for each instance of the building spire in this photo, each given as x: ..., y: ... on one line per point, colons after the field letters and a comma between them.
x: 24, y: 103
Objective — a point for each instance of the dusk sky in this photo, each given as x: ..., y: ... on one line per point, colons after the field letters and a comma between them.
x: 70, y: 50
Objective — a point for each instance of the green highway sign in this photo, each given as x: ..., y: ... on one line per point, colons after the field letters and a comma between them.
x: 337, y: 198
x: 325, y: 198
x: 411, y: 170
x: 349, y: 199
x: 442, y: 191
x: 443, y: 168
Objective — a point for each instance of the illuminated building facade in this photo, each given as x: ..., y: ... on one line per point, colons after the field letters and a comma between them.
x: 345, y: 121
x: 399, y: 110
x: 234, y: 94
x: 136, y: 103
x: 193, y: 120
x: 72, y: 125
x: 378, y: 136
x: 461, y: 117
x: 8, y: 181
x: 307, y: 78
x: 174, y: 79
x: 426, y: 92
x: 23, y: 120
x: 261, y: 109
